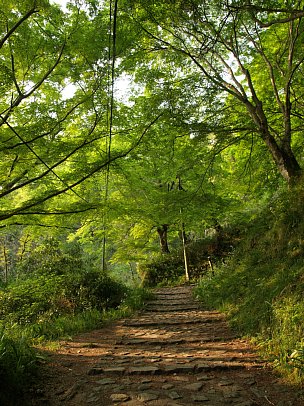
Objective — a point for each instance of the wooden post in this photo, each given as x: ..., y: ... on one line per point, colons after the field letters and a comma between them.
x: 211, y: 265
x: 185, y: 252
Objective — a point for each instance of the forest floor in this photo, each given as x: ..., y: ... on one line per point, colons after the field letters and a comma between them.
x: 172, y: 353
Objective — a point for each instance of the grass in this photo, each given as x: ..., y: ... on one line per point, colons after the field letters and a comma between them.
x: 261, y: 287
x: 20, y: 344
x: 18, y: 362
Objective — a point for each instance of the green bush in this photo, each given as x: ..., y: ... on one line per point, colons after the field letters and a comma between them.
x: 29, y: 300
x: 17, y: 366
x: 41, y: 298
x: 94, y: 290
x: 164, y: 269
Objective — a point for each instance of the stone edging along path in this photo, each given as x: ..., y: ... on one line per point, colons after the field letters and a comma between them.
x: 174, y: 353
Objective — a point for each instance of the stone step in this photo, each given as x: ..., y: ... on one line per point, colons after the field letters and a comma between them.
x: 176, y: 322
x: 173, y: 303
x: 170, y: 369
x: 173, y: 297
x: 160, y: 319
x: 167, y: 309
x: 167, y: 342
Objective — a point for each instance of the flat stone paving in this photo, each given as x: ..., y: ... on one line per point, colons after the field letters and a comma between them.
x: 174, y: 353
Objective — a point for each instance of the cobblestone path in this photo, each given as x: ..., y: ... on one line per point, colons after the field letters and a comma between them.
x: 174, y: 353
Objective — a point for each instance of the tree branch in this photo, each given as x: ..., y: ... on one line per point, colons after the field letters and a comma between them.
x: 28, y: 205
x: 18, y: 23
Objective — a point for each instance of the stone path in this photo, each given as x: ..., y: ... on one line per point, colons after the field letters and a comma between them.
x: 174, y: 353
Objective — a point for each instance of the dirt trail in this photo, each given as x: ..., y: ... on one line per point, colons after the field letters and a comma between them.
x: 174, y: 353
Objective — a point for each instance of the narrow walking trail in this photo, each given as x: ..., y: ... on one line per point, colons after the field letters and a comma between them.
x: 174, y: 353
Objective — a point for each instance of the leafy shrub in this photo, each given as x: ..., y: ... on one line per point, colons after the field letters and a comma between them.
x: 163, y: 269
x: 45, y: 297
x: 31, y: 299
x: 17, y: 364
x: 170, y: 268
x: 137, y: 298
x: 94, y: 290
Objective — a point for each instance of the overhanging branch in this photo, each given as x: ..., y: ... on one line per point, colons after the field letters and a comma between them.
x: 24, y: 209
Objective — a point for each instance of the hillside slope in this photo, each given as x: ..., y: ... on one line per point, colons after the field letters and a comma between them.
x: 261, y: 286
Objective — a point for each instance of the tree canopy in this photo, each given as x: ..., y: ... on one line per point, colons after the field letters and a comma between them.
x: 124, y: 120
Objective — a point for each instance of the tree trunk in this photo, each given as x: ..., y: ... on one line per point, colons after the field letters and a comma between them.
x: 5, y: 264
x: 163, y: 238
x: 283, y: 156
x: 284, y: 159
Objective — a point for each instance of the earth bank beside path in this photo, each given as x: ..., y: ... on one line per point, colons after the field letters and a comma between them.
x: 173, y: 353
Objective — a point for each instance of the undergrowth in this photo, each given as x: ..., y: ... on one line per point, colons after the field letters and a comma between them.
x: 261, y: 286
x: 33, y: 320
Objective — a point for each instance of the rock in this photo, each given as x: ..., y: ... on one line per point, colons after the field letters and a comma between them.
x: 95, y: 371
x: 143, y: 370
x: 204, y: 377
x: 114, y: 370
x: 212, y: 391
x: 257, y: 392
x: 175, y: 369
x: 119, y: 397
x: 196, y: 386
x: 147, y: 396
x: 105, y: 381
x: 146, y: 381
x: 144, y: 386
x: 181, y: 378
x: 168, y: 386
x: 174, y: 395
x: 203, y: 367
x: 225, y: 383
x: 231, y: 395
x: 250, y: 381
x: 90, y: 345
x: 155, y: 360
x: 71, y: 392
x: 93, y: 399
x: 173, y: 404
x: 200, y: 398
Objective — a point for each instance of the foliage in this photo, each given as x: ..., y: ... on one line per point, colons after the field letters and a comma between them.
x: 18, y: 359
x: 17, y: 364
x: 28, y: 301
x: 49, y: 256
x: 208, y: 129
x: 164, y: 269
x: 39, y: 299
x: 94, y: 290
x: 226, y: 51
x: 261, y: 287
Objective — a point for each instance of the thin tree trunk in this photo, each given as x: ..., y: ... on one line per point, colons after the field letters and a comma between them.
x: 5, y: 265
x: 163, y: 238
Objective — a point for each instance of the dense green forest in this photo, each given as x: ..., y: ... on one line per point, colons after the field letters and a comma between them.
x: 149, y: 142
